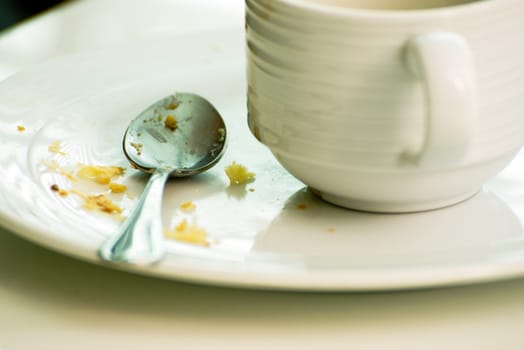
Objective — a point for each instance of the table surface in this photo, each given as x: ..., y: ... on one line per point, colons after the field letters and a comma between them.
x: 50, y: 301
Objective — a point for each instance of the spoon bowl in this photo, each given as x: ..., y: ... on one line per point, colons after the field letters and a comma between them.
x: 183, y: 132
x: 178, y: 136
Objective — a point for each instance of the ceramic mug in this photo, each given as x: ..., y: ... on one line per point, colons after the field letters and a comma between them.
x: 383, y: 105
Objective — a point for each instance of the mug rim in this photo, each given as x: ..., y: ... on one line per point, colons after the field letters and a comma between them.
x: 338, y: 11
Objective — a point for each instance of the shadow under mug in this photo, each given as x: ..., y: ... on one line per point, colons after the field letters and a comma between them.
x: 382, y: 109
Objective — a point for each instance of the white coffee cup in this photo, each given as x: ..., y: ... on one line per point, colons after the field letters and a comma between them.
x: 387, y: 105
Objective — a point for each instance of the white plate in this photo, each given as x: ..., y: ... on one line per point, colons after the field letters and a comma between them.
x: 278, y: 236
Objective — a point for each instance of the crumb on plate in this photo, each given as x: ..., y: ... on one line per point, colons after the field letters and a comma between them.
x: 188, y: 206
x: 188, y: 233
x: 100, y: 174
x: 56, y: 147
x: 21, y: 128
x: 117, y: 187
x: 60, y: 191
x: 100, y: 202
x: 239, y: 174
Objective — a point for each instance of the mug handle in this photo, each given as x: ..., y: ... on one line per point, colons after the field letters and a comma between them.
x: 445, y: 64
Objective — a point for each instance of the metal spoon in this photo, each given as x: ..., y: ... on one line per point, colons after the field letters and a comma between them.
x: 178, y: 136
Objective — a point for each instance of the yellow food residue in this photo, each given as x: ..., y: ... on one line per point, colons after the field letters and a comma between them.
x: 100, y: 174
x: 54, y: 166
x: 59, y: 190
x: 21, y: 128
x: 100, y: 202
x: 188, y: 233
x: 171, y: 123
x: 239, y: 174
x: 137, y: 146
x: 117, y: 188
x: 56, y: 147
x: 188, y: 206
x: 221, y: 134
x: 172, y: 105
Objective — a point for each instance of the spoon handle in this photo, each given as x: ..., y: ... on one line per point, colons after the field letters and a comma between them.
x: 140, y: 239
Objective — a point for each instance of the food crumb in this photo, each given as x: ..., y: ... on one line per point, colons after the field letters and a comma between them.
x: 60, y: 191
x: 331, y: 230
x: 137, y: 147
x: 221, y: 134
x: 302, y: 206
x: 238, y: 174
x: 188, y: 233
x: 56, y: 147
x: 102, y: 203
x: 100, y: 174
x: 21, y: 128
x: 171, y: 123
x: 188, y: 206
x: 117, y: 188
x: 251, y: 189
x: 172, y: 105
x: 99, y: 202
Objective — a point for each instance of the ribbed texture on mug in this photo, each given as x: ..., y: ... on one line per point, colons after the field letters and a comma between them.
x: 334, y: 86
